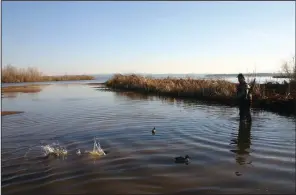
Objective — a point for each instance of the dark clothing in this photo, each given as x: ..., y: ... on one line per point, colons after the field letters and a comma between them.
x: 245, y: 110
x: 244, y: 101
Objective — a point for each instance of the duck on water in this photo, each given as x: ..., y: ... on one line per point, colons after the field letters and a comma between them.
x: 182, y: 159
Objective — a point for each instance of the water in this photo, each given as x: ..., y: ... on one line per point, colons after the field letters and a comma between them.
x: 225, y: 157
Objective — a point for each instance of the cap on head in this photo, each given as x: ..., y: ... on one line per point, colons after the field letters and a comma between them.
x: 240, y: 75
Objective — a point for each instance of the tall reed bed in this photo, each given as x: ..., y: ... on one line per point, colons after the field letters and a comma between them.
x: 220, y: 91
x: 189, y: 86
x: 11, y: 74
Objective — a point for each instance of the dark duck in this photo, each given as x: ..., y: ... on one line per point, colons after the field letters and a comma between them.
x: 153, y: 131
x: 182, y: 159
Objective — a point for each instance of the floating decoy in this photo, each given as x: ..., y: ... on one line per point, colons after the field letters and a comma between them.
x: 182, y: 159
x: 153, y: 131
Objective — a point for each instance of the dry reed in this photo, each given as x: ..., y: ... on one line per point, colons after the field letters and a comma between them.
x: 200, y: 87
x: 4, y: 113
x: 11, y: 74
x: 220, y: 91
x: 23, y: 89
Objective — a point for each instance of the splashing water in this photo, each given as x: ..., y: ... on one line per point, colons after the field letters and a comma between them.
x: 45, y: 150
x: 97, y: 150
x: 54, y: 150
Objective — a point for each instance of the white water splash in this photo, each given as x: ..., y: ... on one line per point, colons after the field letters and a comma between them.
x: 44, y: 150
x: 97, y: 150
x: 56, y: 150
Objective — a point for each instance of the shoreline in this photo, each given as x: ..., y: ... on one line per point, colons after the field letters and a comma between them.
x: 225, y: 91
x: 12, y: 74
x: 53, y: 79
x: 286, y: 107
x: 5, y: 113
x: 33, y: 88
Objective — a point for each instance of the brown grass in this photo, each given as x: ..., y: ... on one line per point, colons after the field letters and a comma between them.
x: 4, y: 113
x: 23, y: 89
x: 216, y: 90
x: 180, y: 86
x: 11, y: 74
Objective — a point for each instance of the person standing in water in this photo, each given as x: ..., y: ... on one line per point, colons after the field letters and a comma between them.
x: 244, y: 99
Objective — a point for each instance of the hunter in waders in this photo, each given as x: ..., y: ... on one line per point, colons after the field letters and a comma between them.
x: 244, y: 99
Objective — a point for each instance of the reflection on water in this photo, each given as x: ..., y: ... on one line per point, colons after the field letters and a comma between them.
x: 243, y: 143
x: 9, y: 95
x: 133, y: 96
x: 15, y: 91
x: 138, y: 162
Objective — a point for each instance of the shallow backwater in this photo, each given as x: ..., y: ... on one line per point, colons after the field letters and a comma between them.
x: 225, y: 157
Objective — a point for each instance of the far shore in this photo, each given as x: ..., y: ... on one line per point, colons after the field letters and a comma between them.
x: 282, y: 77
x: 11, y: 74
x: 49, y: 79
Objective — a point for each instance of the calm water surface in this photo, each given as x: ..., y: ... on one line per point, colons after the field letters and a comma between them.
x: 226, y: 157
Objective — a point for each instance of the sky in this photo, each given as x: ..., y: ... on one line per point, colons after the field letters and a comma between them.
x: 148, y: 37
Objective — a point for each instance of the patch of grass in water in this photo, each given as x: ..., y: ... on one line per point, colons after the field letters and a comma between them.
x: 4, y: 113
x: 23, y: 89
x: 215, y: 90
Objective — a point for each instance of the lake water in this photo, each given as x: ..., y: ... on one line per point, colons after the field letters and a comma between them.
x: 225, y: 157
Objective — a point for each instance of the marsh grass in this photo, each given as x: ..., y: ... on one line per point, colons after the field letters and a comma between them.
x: 189, y: 86
x: 23, y: 89
x: 204, y: 89
x: 4, y: 113
x: 11, y: 74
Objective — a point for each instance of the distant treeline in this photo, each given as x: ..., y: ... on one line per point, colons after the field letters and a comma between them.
x: 246, y: 74
x: 11, y: 74
x: 282, y: 76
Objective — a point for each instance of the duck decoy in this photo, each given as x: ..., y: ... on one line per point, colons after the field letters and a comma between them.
x: 153, y: 131
x: 238, y: 173
x: 182, y: 159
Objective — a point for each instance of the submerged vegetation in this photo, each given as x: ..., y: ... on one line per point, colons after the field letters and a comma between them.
x: 11, y: 74
x: 276, y: 97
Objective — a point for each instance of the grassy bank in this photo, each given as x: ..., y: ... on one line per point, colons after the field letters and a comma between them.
x: 23, y: 89
x: 4, y: 113
x: 11, y: 74
x: 219, y: 91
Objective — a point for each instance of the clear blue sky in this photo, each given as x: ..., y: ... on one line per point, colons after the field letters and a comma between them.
x: 148, y: 37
